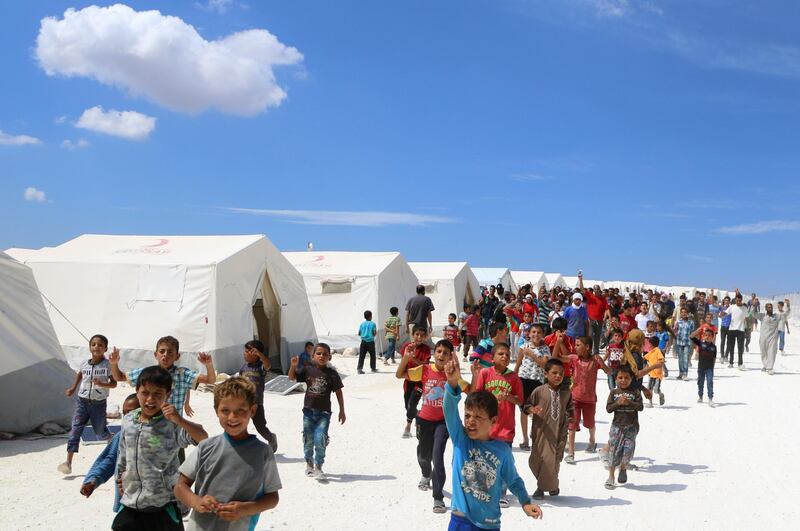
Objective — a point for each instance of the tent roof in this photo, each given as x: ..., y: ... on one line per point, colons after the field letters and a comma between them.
x: 163, y: 250
x: 340, y: 262
x: 436, y: 270
x: 528, y: 277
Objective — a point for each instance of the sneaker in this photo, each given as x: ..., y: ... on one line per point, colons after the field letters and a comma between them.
x: 424, y: 483
x: 770, y: 372
x: 374, y: 370
x: 406, y: 434
x: 503, y: 502
x: 319, y: 475
x: 538, y: 494
x: 661, y: 399
x: 569, y: 459
x: 555, y: 492
x: 386, y: 362
x: 592, y: 448
x: 439, y: 506
x: 309, y: 469
x: 730, y: 365
x: 711, y: 402
x: 65, y: 468
x: 623, y: 476
x: 763, y: 369
x: 273, y: 442
x: 700, y: 400
x: 524, y: 446
x: 741, y: 367
x: 360, y: 371
x: 610, y: 485
x: 783, y: 353
x: 648, y: 405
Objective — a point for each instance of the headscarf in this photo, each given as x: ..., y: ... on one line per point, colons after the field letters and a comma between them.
x: 636, y: 339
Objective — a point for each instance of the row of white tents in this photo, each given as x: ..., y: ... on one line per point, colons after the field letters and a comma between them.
x: 214, y: 293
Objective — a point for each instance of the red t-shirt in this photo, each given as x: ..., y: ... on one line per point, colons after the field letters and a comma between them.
x: 550, y: 341
x: 626, y: 324
x: 490, y: 380
x: 595, y: 306
x: 451, y: 334
x: 584, y: 379
x: 422, y: 356
x: 432, y: 391
x: 472, y: 324
x: 531, y: 309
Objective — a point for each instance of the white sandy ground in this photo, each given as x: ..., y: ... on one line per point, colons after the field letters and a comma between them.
x: 733, y: 467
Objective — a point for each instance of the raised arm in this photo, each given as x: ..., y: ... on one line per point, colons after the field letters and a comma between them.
x: 113, y: 360
x: 293, y: 368
x: 210, y: 376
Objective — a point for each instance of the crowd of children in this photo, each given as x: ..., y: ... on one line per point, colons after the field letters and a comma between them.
x: 545, y: 368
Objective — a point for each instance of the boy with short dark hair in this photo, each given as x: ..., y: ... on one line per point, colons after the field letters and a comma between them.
x: 367, y: 332
x: 234, y: 474
x: 584, y: 367
x: 255, y: 368
x: 482, y: 467
x: 305, y: 357
x: 419, y: 354
x: 707, y: 354
x: 391, y: 330
x: 562, y: 346
x: 431, y: 428
x: 655, y: 357
x: 450, y: 331
x: 321, y: 380
x: 482, y: 354
x: 472, y: 326
x: 92, y: 382
x: 183, y: 380
x: 148, y: 455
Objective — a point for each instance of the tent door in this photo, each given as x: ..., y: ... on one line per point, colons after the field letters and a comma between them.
x: 267, y: 314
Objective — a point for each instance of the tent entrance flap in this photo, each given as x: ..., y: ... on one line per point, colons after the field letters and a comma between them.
x: 267, y: 316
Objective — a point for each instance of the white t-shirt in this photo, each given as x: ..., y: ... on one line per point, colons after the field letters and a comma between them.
x: 738, y: 315
x: 642, y: 319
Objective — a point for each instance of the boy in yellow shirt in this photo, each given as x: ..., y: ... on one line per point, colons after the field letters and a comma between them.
x: 656, y: 375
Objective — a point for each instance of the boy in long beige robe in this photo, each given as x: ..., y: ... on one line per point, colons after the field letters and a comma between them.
x: 550, y: 407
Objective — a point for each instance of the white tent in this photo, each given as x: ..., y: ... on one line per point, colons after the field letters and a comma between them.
x: 554, y: 280
x: 213, y: 293
x: 592, y: 283
x: 342, y: 285
x: 572, y: 282
x: 491, y: 276
x: 688, y: 290
x: 449, y: 285
x: 33, y: 371
x: 536, y: 279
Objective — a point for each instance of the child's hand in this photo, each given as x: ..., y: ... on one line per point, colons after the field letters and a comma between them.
x: 535, y: 410
x: 295, y: 361
x: 170, y: 412
x: 207, y: 504
x: 475, y: 368
x: 230, y: 511
x: 204, y: 358
x: 114, y: 356
x: 188, y: 409
x: 69, y: 392
x: 453, y: 371
x: 88, y: 488
x: 532, y: 510
x: 342, y: 417
x: 623, y: 400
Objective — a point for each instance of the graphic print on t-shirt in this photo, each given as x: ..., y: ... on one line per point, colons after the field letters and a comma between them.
x: 318, y: 386
x: 479, y: 473
x: 433, y: 392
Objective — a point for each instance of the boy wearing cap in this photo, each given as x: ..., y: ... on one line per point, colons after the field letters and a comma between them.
x: 577, y: 318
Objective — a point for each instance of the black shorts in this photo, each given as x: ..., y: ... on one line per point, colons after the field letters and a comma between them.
x: 528, y: 386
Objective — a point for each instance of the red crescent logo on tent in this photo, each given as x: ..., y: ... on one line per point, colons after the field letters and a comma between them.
x: 162, y: 241
x: 318, y: 258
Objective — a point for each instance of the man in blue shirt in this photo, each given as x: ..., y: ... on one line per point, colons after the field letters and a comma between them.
x: 577, y: 318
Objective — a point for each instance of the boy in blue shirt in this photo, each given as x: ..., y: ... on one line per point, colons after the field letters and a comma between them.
x: 482, y: 467
x: 367, y: 332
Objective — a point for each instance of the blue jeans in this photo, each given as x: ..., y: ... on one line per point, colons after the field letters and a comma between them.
x: 705, y: 376
x: 391, y: 344
x: 781, y: 339
x: 684, y: 352
x: 460, y: 523
x: 86, y: 411
x: 315, y: 434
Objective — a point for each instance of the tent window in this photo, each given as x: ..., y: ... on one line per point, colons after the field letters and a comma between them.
x: 337, y: 285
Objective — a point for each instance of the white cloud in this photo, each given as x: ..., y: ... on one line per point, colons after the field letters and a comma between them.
x: 126, y: 124
x: 343, y: 217
x: 70, y: 145
x: 761, y: 227
x: 609, y: 8
x: 17, y: 140
x: 61, y: 119
x: 164, y: 59
x: 710, y: 204
x: 699, y: 258
x: 530, y: 177
x: 35, y: 195
x: 218, y: 6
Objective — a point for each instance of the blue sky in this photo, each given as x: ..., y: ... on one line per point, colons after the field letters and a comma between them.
x: 637, y: 140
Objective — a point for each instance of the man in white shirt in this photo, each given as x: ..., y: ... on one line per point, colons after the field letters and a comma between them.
x: 738, y: 313
x: 783, y: 314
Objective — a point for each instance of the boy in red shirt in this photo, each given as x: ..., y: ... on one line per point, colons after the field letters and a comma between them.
x: 506, y: 386
x: 431, y: 428
x: 420, y: 354
x: 584, y: 368
x: 626, y: 321
x: 450, y: 331
x: 561, y: 346
x: 472, y: 325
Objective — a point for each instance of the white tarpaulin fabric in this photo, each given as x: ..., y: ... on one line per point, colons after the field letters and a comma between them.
x: 536, y: 279
x: 449, y: 285
x: 491, y: 276
x: 341, y: 285
x: 554, y: 280
x: 33, y: 371
x: 200, y: 289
